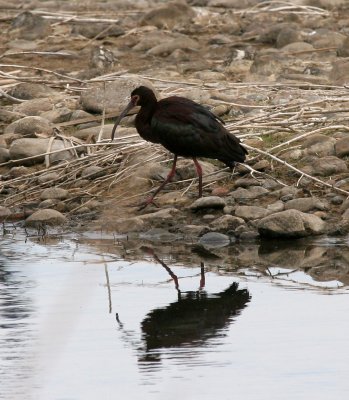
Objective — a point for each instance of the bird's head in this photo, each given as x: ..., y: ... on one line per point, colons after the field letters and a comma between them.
x: 140, y: 96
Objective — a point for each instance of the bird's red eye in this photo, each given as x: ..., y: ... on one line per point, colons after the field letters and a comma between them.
x: 135, y: 99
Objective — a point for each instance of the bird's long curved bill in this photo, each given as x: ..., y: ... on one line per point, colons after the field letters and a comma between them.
x: 129, y: 107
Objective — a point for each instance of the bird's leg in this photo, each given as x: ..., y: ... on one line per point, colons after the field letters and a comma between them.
x: 199, y: 172
x: 202, y: 276
x: 169, y: 177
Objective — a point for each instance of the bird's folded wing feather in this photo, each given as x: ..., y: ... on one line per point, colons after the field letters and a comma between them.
x: 189, y: 129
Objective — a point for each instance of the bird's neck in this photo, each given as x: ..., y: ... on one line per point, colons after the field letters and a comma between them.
x: 143, y: 121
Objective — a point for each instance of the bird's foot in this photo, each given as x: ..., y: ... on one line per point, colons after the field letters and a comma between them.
x: 145, y: 203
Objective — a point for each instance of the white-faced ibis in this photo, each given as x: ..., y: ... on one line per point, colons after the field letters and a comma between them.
x: 185, y: 128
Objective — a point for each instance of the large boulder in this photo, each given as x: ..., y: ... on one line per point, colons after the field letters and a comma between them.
x: 305, y: 204
x: 290, y: 224
x: 36, y: 148
x: 329, y: 165
x: 319, y: 145
x: 28, y: 90
x: 114, y: 96
x: 30, y: 126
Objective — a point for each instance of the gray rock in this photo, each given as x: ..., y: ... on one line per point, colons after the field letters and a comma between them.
x: 22, y: 44
x: 151, y: 39
x: 293, y: 155
x: 208, y: 202
x: 345, y: 205
x: 54, y: 193
x: 31, y: 147
x: 319, y: 145
x: 30, y: 26
x: 50, y: 176
x: 94, y: 205
x: 58, y: 115
x: 16, y: 172
x: 4, y: 155
x: 305, y: 204
x: 4, y: 213
x: 210, y: 76
x: 329, y: 165
x: 93, y: 132
x: 262, y: 165
x: 169, y: 15
x: 126, y: 225
x: 186, y: 170
x: 27, y: 91
x: 115, y: 97
x: 342, y: 147
x: 8, y: 116
x: 164, y: 217
x: 343, y: 49
x: 45, y: 217
x: 339, y: 73
x: 290, y: 223
x: 228, y: 210
x: 300, y: 47
x: 213, y: 240
x: 288, y: 35
x: 271, y: 32
x: 30, y: 126
x: 81, y: 183
x: 276, y: 207
x: 92, y: 172
x: 194, y: 230
x: 269, y: 62
x: 337, y: 200
x: 291, y: 191
x: 251, y: 193
x: 82, y: 210
x: 343, y: 184
x: 324, y: 38
x: 49, y: 203
x: 246, y: 182
x: 208, y: 217
x: 34, y: 107
x: 226, y: 223
x: 251, y: 212
x: 271, y: 184
x: 168, y: 47
x: 345, y: 215
x: 79, y: 114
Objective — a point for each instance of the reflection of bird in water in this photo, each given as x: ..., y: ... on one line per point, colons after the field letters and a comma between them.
x: 194, y: 318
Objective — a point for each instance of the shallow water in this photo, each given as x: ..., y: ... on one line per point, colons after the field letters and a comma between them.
x: 82, y: 321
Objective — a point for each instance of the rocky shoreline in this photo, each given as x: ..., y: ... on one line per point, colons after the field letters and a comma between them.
x: 278, y: 76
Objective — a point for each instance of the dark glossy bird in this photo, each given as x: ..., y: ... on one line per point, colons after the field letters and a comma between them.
x: 185, y: 128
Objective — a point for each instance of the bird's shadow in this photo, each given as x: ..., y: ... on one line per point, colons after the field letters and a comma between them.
x: 189, y: 322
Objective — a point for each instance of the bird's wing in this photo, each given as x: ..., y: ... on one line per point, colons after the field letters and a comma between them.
x: 186, y: 128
